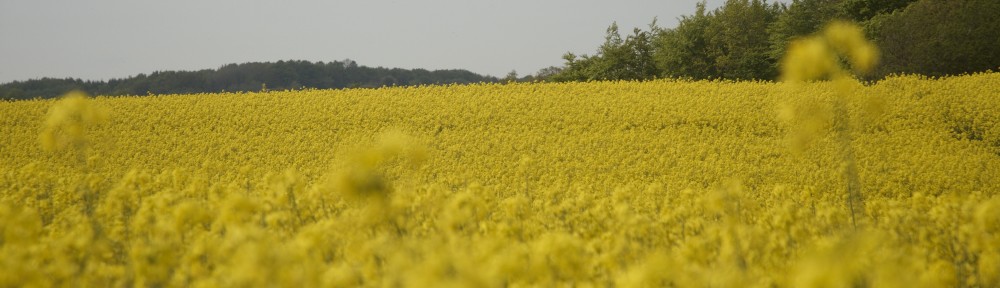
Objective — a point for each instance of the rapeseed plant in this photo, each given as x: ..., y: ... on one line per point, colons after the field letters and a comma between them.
x: 661, y: 183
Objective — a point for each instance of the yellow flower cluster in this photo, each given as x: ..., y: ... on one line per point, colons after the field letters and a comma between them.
x: 68, y: 120
x: 817, y: 57
x: 601, y: 184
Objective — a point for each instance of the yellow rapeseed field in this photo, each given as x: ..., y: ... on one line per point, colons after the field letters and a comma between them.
x: 663, y: 183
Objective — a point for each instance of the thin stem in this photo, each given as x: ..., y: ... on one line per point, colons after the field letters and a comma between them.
x: 855, y: 201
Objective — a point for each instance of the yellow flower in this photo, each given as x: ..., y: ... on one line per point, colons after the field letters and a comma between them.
x: 68, y: 119
x: 807, y: 59
x: 848, y: 39
x: 815, y: 57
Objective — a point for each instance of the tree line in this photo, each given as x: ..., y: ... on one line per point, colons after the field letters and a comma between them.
x: 741, y: 40
x: 745, y: 40
x: 244, y: 77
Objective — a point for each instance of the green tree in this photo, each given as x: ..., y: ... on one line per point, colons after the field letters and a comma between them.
x: 511, y: 76
x: 730, y: 42
x: 863, y: 10
x: 629, y: 58
x: 640, y: 63
x: 738, y: 39
x: 799, y: 19
x: 939, y: 38
x: 681, y: 52
x: 577, y: 68
x: 548, y: 72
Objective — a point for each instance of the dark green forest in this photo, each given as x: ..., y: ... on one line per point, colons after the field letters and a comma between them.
x: 279, y: 75
x: 745, y: 39
x: 741, y: 40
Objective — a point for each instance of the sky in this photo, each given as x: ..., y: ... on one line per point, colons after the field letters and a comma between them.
x: 106, y: 39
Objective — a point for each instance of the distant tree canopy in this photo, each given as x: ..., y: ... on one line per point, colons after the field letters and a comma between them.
x: 630, y: 59
x: 939, y: 38
x: 745, y: 39
x: 279, y: 75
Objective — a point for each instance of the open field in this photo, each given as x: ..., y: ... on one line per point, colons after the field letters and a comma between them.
x: 721, y: 184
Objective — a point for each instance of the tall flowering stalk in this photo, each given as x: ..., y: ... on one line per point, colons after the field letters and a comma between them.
x: 817, y: 58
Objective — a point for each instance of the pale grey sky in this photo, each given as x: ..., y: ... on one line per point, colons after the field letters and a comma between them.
x: 103, y: 39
